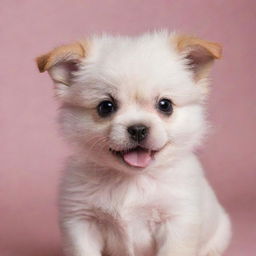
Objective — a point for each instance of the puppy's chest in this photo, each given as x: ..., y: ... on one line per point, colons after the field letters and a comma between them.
x: 130, y: 217
x: 133, y: 208
x: 132, y: 229
x: 131, y: 226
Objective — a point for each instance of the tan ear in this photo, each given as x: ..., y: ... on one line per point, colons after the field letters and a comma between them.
x: 62, y: 61
x: 199, y: 53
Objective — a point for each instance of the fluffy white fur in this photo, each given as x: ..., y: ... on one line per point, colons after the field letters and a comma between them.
x: 108, y: 207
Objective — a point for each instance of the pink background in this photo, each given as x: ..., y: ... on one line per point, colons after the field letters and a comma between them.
x: 32, y: 153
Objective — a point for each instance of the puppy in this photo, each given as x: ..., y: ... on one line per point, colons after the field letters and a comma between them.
x: 133, y: 109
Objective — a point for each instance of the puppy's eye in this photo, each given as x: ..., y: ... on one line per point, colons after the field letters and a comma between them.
x: 165, y: 106
x: 106, y: 108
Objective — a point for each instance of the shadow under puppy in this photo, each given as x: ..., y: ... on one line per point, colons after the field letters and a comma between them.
x: 133, y: 109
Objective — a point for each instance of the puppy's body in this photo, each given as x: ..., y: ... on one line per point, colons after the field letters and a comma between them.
x: 134, y: 110
x: 123, y: 215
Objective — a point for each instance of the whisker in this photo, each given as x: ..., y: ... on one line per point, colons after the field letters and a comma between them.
x: 98, y: 141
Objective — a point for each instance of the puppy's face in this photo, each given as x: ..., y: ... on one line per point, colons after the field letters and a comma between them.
x: 132, y: 104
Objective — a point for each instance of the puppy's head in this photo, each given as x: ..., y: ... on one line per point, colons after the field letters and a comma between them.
x: 132, y: 104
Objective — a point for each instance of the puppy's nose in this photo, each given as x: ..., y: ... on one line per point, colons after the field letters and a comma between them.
x: 138, y: 132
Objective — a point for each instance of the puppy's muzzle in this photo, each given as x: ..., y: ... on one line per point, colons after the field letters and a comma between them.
x: 138, y: 132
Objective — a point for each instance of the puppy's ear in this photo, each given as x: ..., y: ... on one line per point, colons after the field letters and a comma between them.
x: 62, y: 62
x: 199, y: 54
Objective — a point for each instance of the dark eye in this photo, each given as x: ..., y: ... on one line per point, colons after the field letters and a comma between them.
x: 165, y: 106
x: 106, y: 108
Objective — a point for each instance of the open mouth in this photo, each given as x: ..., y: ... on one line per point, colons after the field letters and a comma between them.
x: 135, y: 157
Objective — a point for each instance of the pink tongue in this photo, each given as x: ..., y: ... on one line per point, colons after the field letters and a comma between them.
x: 138, y: 158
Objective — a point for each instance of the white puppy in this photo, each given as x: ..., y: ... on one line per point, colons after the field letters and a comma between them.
x: 133, y: 108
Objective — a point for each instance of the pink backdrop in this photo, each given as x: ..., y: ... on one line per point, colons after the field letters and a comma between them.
x: 32, y: 153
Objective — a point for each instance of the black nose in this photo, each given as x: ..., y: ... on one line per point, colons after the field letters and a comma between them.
x: 138, y: 132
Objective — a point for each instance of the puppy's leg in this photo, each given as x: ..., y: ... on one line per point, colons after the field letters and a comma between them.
x: 81, y: 238
x: 220, y: 239
x: 178, y: 237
